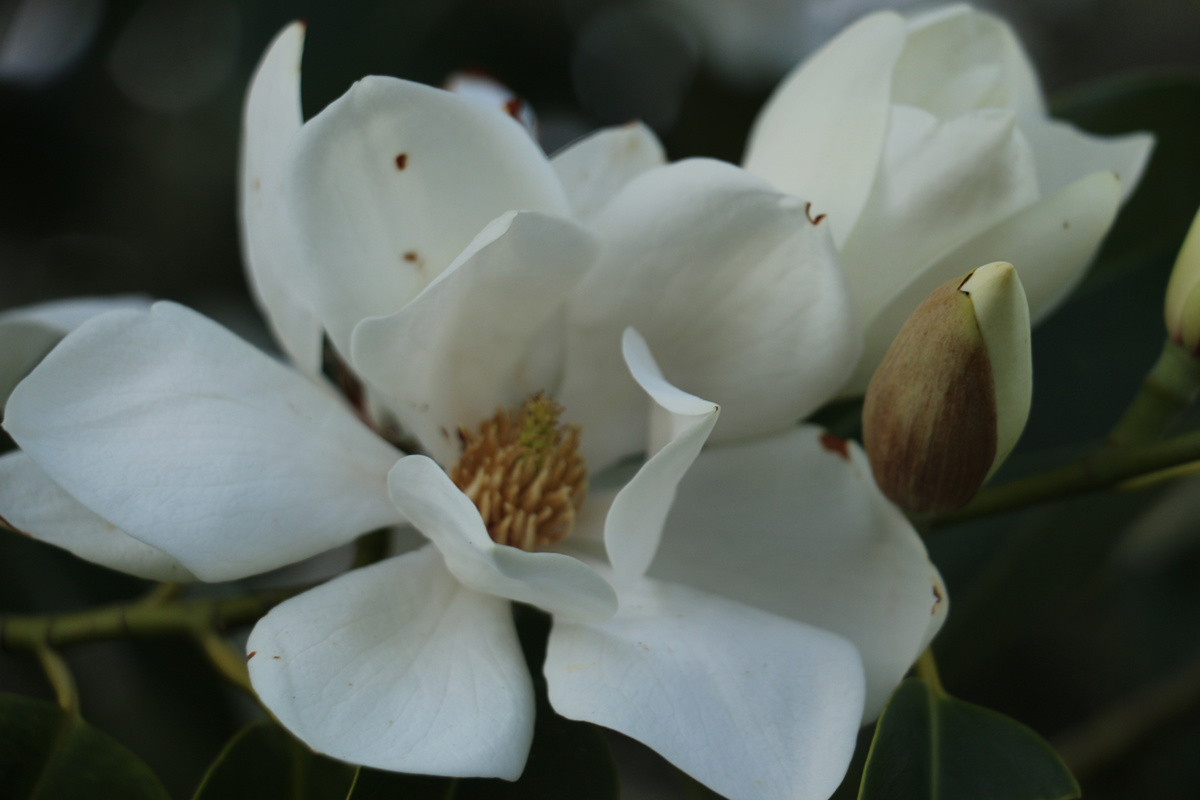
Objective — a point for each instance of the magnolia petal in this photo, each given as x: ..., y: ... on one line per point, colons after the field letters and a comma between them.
x: 32, y: 504
x: 271, y: 117
x: 750, y: 704
x: 192, y: 441
x: 391, y: 182
x: 794, y: 525
x: 30, y: 332
x: 599, y: 165
x: 398, y: 666
x: 483, y: 88
x: 458, y: 351
x: 821, y: 134
x: 958, y: 59
x: 680, y: 424
x: 1065, y: 154
x: 437, y: 508
x: 738, y: 292
x: 940, y: 184
x: 1050, y: 243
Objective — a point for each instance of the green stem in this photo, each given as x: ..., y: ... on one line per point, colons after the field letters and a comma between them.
x: 1167, y: 391
x: 190, y: 616
x: 59, y: 675
x: 926, y: 669
x: 1101, y: 470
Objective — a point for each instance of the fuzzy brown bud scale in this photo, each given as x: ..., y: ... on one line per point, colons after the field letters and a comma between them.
x: 524, y: 473
x: 930, y: 416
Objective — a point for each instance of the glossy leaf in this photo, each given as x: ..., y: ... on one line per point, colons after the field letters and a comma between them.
x: 375, y: 784
x: 1152, y: 225
x: 929, y: 746
x: 264, y: 762
x: 48, y: 754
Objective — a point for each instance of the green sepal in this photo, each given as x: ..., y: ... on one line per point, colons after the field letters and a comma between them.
x: 49, y: 754
x: 930, y: 746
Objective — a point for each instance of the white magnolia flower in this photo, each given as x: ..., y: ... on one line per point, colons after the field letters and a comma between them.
x: 926, y: 142
x: 786, y: 597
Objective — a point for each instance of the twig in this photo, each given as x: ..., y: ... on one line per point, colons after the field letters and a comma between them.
x: 140, y: 619
x: 1101, y: 470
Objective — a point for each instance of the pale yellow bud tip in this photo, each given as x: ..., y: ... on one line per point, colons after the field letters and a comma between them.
x: 1183, y: 293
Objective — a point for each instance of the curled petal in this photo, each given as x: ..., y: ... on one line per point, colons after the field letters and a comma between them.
x: 399, y: 666
x: 1065, y: 154
x: 750, y: 704
x: 189, y: 439
x: 29, y: 333
x: 462, y: 348
x: 555, y: 582
x: 1050, y: 243
x: 821, y: 134
x: 679, y: 426
x: 391, y: 182
x: 940, y: 184
x: 795, y: 525
x: 271, y: 117
x: 738, y: 292
x: 33, y: 504
x: 596, y: 167
x: 959, y: 59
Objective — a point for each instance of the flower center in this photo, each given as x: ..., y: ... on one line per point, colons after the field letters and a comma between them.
x: 524, y: 473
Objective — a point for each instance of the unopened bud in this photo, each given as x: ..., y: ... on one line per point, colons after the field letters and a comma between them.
x: 951, y: 397
x: 1183, y: 294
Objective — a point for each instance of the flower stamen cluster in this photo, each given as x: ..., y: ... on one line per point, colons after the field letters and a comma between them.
x: 524, y: 473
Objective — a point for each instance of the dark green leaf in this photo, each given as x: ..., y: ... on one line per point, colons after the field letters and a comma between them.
x: 265, y: 762
x: 1152, y: 225
x: 374, y: 784
x: 47, y: 754
x: 929, y: 746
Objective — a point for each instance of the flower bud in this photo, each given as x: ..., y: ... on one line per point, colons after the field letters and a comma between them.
x: 1183, y: 294
x: 951, y: 397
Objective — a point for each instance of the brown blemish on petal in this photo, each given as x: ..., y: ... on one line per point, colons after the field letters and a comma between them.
x: 252, y: 654
x: 411, y: 255
x: 255, y: 185
x: 402, y: 161
x: 514, y: 107
x: 274, y: 656
x: 808, y: 213
x: 937, y: 599
x: 835, y: 444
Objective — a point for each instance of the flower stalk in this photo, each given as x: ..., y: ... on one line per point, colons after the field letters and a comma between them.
x: 1101, y: 470
x: 60, y: 678
x: 192, y: 616
x: 1167, y: 391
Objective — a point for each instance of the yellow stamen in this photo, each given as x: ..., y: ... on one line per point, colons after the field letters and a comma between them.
x: 524, y: 473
